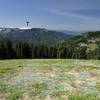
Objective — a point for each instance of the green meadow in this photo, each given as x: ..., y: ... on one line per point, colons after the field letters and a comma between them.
x: 49, y: 79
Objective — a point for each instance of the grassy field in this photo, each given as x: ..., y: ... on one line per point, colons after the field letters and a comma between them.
x: 49, y: 79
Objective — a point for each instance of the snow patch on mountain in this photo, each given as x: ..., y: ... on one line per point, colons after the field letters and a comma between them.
x: 25, y: 28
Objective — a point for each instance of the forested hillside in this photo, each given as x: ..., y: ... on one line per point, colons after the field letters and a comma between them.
x: 85, y: 46
x: 34, y: 35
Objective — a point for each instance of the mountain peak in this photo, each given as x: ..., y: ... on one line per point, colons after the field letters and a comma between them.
x: 25, y: 28
x: 33, y: 35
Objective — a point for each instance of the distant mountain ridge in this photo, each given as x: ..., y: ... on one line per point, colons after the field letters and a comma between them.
x: 33, y: 35
x: 73, y: 32
x: 83, y: 40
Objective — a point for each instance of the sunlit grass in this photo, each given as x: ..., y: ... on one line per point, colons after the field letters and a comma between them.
x: 15, y: 95
x: 55, y: 79
x: 82, y: 96
x: 98, y: 86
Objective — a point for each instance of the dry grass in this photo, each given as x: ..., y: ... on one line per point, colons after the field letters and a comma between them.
x: 49, y: 79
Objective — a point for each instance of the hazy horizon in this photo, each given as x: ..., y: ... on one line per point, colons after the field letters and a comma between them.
x: 74, y: 15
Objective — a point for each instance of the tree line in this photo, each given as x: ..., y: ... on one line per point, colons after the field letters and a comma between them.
x: 21, y: 50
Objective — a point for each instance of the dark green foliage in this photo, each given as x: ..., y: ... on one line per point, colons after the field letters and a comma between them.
x: 86, y: 46
x: 2, y: 51
x: 10, y: 53
x: 26, y: 51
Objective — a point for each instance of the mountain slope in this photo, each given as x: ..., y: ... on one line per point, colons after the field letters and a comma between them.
x: 34, y: 35
x: 72, y: 32
x: 84, y: 40
x: 85, y: 46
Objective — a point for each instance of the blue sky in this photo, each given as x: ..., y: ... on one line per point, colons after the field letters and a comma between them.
x: 80, y: 15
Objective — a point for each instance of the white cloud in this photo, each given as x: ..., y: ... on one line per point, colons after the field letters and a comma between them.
x: 85, y: 22
x: 61, y: 13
